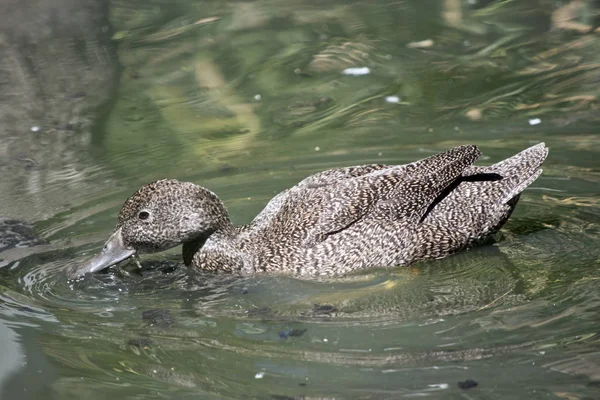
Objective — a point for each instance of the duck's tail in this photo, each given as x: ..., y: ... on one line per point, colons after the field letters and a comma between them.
x: 519, y: 171
x: 511, y: 176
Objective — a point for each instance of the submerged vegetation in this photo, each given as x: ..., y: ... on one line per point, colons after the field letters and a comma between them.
x: 223, y: 77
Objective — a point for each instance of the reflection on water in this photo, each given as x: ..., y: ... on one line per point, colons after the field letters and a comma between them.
x: 249, y: 98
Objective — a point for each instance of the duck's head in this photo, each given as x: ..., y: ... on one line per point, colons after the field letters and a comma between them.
x: 160, y: 215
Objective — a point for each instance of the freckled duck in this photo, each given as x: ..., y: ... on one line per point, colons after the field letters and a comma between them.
x: 331, y: 223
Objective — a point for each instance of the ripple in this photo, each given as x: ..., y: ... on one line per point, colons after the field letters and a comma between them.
x: 169, y: 328
x: 446, y: 319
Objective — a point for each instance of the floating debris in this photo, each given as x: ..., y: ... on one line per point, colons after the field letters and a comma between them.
x: 534, y: 121
x: 392, y: 99
x: 474, y: 114
x: 357, y: 71
x: 257, y: 97
x: 423, y: 44
x: 468, y: 384
x: 259, y: 375
x: 35, y: 128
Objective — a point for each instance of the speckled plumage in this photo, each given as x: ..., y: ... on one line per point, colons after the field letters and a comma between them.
x: 340, y: 220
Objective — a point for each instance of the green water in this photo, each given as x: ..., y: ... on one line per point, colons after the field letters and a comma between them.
x: 247, y: 99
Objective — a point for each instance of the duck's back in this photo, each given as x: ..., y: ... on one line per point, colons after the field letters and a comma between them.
x: 346, y: 219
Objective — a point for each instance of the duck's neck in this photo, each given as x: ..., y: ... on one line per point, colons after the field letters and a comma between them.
x: 225, y: 234
x: 189, y: 249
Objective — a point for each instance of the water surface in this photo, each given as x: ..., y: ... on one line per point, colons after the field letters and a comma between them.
x: 247, y: 99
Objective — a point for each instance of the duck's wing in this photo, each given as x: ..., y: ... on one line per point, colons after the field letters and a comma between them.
x: 404, y: 192
x: 331, y: 201
x: 324, y: 178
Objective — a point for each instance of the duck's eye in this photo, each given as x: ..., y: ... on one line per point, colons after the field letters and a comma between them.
x: 143, y: 215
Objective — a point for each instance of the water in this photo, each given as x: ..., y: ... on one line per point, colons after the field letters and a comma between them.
x: 249, y: 98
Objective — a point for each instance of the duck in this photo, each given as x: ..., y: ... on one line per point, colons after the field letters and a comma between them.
x: 332, y: 223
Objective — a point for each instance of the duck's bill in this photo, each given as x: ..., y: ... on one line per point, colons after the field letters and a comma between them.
x: 113, y: 252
